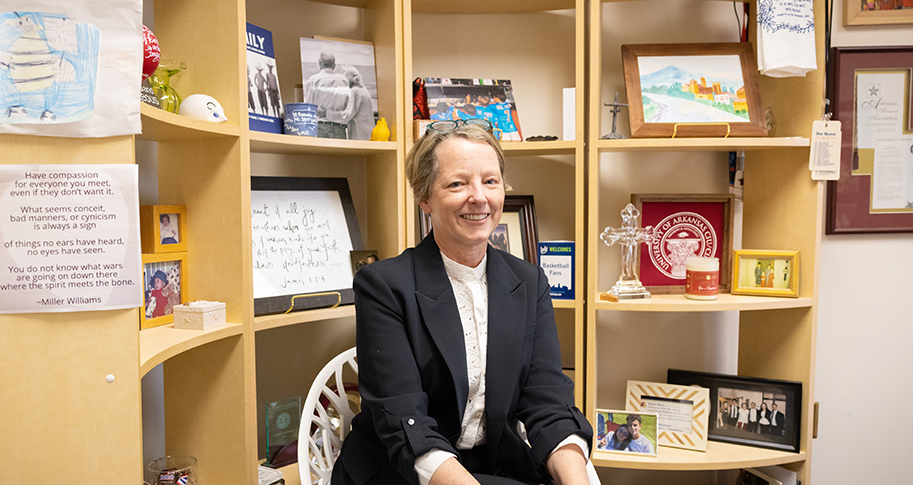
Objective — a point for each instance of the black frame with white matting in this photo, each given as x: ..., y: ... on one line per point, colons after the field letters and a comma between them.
x: 785, y: 394
x: 518, y: 217
x: 298, y: 187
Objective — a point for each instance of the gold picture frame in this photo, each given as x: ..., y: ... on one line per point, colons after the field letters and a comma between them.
x: 152, y: 226
x: 173, y: 289
x: 765, y: 273
x: 860, y: 12
x: 672, y: 403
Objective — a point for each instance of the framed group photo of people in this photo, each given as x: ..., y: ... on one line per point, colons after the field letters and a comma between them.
x: 764, y: 413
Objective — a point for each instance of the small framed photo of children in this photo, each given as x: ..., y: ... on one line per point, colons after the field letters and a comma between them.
x: 163, y: 228
x: 626, y: 432
x: 164, y: 283
x: 766, y: 273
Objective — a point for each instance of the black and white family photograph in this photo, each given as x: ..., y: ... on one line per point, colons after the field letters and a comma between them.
x: 339, y: 78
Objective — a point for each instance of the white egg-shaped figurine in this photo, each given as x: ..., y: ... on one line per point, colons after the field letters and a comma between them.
x: 202, y: 107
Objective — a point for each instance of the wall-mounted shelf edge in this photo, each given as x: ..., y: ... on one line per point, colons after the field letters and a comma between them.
x: 717, y: 457
x: 159, y: 344
x: 284, y: 319
x: 725, y: 303
x: 160, y: 125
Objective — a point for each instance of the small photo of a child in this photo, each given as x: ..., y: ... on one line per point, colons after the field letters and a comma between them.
x: 168, y: 228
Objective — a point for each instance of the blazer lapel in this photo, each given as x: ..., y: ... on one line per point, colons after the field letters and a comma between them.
x: 507, y: 318
x: 437, y: 304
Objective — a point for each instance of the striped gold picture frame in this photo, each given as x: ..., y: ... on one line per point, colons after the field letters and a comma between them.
x: 673, y: 404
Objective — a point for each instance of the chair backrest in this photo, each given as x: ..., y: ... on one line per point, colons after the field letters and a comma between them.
x: 326, y: 419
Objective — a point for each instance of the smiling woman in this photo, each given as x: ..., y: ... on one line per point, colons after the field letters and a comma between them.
x: 437, y: 412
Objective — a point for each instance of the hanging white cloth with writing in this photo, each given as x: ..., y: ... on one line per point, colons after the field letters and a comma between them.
x: 786, y: 38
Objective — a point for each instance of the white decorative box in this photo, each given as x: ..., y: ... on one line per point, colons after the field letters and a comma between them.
x: 199, y: 315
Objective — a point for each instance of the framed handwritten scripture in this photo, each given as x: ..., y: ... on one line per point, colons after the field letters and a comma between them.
x: 683, y: 412
x: 751, y: 411
x: 871, y: 90
x: 303, y: 230
x: 693, y: 90
x: 683, y: 225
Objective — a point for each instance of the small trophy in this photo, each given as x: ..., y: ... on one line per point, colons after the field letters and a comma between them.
x: 629, y: 236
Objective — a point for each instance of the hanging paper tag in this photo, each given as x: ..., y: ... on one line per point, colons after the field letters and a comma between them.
x: 824, y: 157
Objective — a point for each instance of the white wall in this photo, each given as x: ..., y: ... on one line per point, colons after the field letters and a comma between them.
x: 864, y: 358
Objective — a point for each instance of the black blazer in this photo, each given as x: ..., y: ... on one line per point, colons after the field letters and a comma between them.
x: 412, y: 370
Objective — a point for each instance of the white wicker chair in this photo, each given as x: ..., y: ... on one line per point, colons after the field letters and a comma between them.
x: 328, y: 412
x: 331, y: 419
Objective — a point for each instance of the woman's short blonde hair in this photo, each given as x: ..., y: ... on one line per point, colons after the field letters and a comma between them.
x: 422, y: 163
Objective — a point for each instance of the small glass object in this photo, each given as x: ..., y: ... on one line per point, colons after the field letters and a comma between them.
x: 160, y: 80
x: 702, y: 278
x: 629, y: 236
x: 172, y: 470
x: 282, y: 419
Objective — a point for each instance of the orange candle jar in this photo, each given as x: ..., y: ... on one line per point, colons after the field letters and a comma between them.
x: 702, y: 278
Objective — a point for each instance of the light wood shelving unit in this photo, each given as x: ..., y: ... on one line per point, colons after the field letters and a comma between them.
x: 782, y: 210
x: 210, y: 378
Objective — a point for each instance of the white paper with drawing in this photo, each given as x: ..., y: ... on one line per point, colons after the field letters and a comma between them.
x: 301, y: 242
x: 70, y: 68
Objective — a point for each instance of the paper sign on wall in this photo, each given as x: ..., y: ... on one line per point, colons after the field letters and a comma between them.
x: 69, y: 238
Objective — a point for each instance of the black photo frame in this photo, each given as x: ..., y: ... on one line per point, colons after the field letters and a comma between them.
x: 726, y: 390
x: 267, y: 256
x: 518, y: 217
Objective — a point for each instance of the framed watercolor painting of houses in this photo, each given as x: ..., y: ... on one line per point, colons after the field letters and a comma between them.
x: 705, y: 90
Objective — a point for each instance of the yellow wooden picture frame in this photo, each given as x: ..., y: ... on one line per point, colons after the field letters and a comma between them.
x: 173, y: 290
x: 856, y: 13
x: 152, y: 224
x: 765, y: 273
x: 669, y: 401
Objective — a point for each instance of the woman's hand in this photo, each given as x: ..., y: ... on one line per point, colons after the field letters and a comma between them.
x: 567, y: 465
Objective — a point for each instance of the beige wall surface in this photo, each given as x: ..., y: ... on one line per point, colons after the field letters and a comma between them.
x: 864, y: 334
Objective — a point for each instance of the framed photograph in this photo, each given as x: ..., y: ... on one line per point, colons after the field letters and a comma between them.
x: 870, y: 89
x: 338, y: 76
x: 517, y: 233
x: 163, y: 228
x: 764, y: 413
x: 626, y: 432
x: 683, y: 225
x: 877, y: 12
x: 683, y: 412
x: 708, y: 90
x: 303, y: 232
x: 164, y: 280
x: 766, y: 273
x: 363, y: 258
x: 460, y: 99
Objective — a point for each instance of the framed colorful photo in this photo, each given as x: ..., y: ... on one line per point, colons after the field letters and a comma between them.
x: 766, y: 273
x: 163, y: 228
x: 708, y: 90
x: 517, y: 233
x: 626, y: 432
x: 164, y: 287
x: 683, y: 412
x: 683, y: 225
x: 764, y: 413
x: 877, y: 12
x: 870, y: 88
x: 303, y: 231
x: 490, y: 99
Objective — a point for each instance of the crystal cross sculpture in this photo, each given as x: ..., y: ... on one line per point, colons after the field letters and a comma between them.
x: 629, y: 236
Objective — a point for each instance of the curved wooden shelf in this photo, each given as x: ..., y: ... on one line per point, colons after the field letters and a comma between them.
x: 563, y: 304
x: 156, y: 345
x: 275, y: 321
x: 714, y: 144
x: 725, y: 303
x: 261, y: 142
x: 536, y: 148
x: 489, y: 7
x: 717, y: 457
x: 160, y: 125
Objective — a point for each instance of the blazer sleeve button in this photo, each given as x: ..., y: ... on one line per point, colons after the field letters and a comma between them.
x: 411, y: 421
